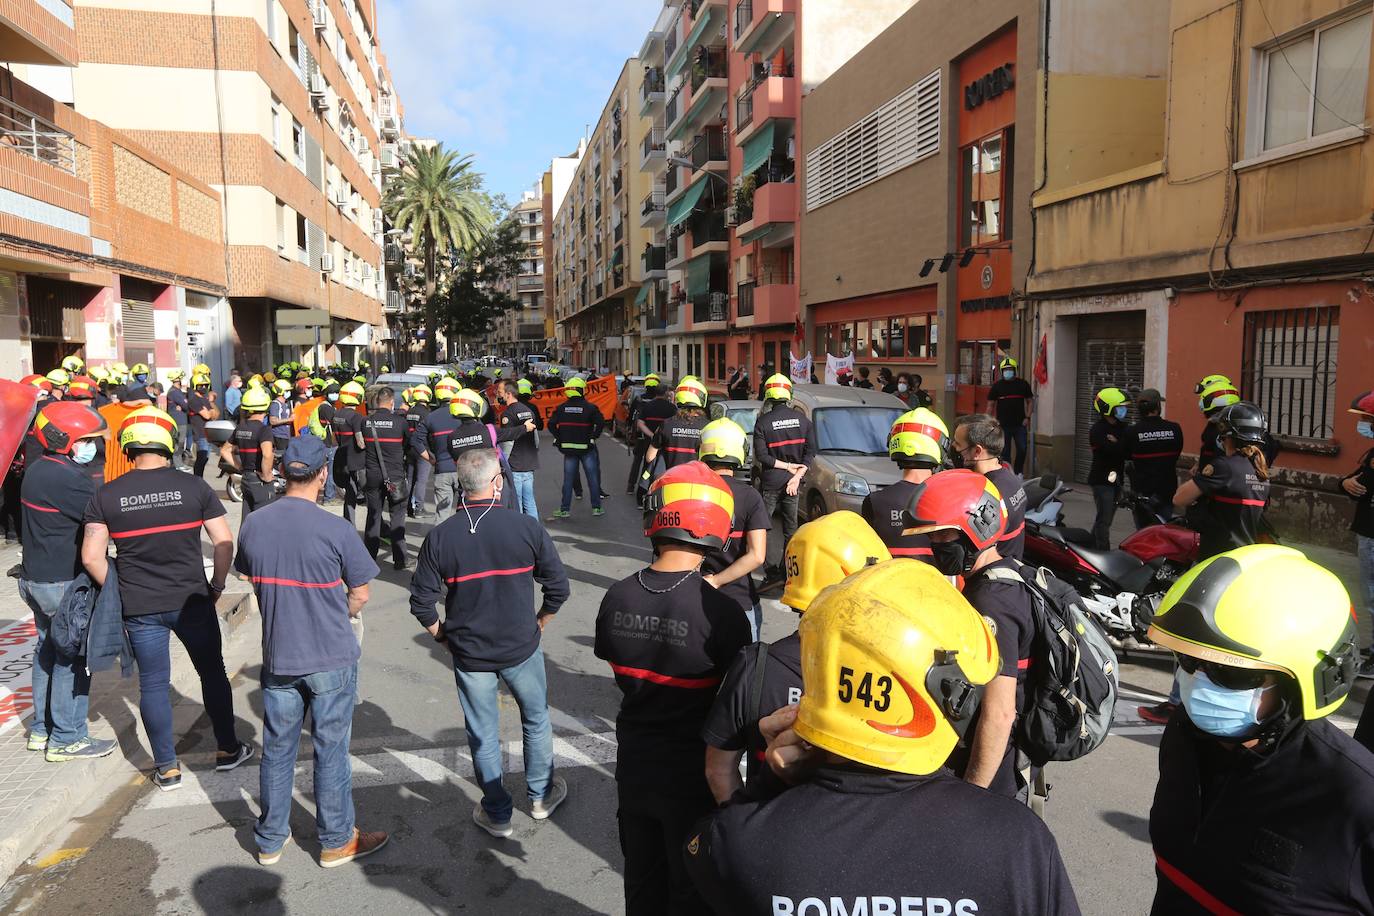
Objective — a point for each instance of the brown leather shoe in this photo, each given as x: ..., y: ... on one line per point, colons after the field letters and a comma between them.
x: 362, y: 844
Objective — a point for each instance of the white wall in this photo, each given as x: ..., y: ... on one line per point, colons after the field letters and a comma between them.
x: 119, y: 94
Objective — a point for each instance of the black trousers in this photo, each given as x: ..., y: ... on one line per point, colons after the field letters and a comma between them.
x: 384, y: 520
x: 256, y: 494
x: 636, y: 464
x: 10, y: 511
x: 348, y: 489
x: 773, y: 501
x: 653, y: 828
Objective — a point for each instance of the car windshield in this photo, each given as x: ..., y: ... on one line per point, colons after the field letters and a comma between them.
x: 745, y: 417
x: 854, y: 430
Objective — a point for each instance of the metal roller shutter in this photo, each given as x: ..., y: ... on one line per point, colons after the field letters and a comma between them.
x: 1111, y: 353
x: 140, y: 339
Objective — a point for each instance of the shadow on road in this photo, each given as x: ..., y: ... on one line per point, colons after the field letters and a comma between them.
x: 1133, y: 825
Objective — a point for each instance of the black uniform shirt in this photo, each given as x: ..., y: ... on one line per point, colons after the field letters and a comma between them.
x: 470, y: 434
x: 385, y: 429
x: 733, y: 723
x: 669, y: 651
x: 1011, y: 397
x: 1291, y: 831
x: 195, y: 403
x: 247, y: 439
x: 54, y: 492
x: 154, y: 517
x: 883, y: 511
x: 1108, y: 443
x: 432, y: 436
x: 176, y: 405
x: 1233, y: 501
x: 576, y: 424
x: 785, y: 434
x: 1006, y: 607
x: 679, y: 438
x: 415, y: 418
x: 347, y: 424
x: 1013, y: 543
x: 1363, y: 522
x: 857, y: 840
x: 1153, y: 445
x: 524, y: 453
x: 750, y: 515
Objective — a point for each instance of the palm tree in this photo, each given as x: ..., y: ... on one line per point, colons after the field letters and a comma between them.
x: 437, y: 199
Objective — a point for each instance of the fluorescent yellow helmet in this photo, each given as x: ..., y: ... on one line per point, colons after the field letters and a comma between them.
x: 894, y: 660
x: 281, y: 386
x: 100, y: 373
x: 524, y: 386
x: 351, y: 394
x: 1217, y: 393
x: 142, y: 369
x: 468, y: 403
x: 446, y: 388
x: 174, y: 375
x: 1266, y: 608
x: 575, y: 387
x: 722, y: 443
x: 256, y: 381
x: 255, y: 400
x: 918, y: 439
x: 148, y: 428
x: 823, y: 552
x: 74, y: 365
x: 421, y: 393
x: 690, y: 392
x: 59, y: 377
x: 1109, y: 399
x: 777, y: 388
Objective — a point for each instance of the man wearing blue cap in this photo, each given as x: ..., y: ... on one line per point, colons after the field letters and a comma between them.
x: 311, y: 575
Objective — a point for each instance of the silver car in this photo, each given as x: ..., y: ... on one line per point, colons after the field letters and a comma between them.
x: 745, y: 413
x: 851, y: 444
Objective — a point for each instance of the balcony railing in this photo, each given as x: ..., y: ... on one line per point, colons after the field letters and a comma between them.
x: 670, y: 111
x: 652, y: 202
x: 708, y: 65
x: 744, y: 307
x: 774, y: 276
x: 712, y: 306
x: 530, y: 283
x: 395, y: 255
x: 670, y: 41
x: 670, y: 181
x: 37, y: 137
x: 617, y: 133
x: 744, y: 109
x: 709, y: 147
x: 709, y: 227
x: 653, y: 142
x: 744, y: 14
x: 618, y: 232
x: 653, y: 259
x: 395, y: 301
x: 617, y: 180
x: 653, y: 82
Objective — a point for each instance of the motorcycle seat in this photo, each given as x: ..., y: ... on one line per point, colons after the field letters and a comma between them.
x: 1063, y: 535
x: 1114, y: 564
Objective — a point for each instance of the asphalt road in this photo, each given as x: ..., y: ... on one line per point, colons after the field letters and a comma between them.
x: 191, y: 851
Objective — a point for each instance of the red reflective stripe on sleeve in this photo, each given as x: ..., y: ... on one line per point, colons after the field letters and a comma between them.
x: 1237, y: 501
x: 161, y: 529
x: 1157, y: 455
x: 678, y: 448
x: 1014, y: 533
x: 911, y: 551
x: 644, y: 674
x: 787, y: 442
x: 736, y: 534
x: 248, y: 451
x: 1022, y: 664
x: 37, y: 508
x: 571, y: 423
x: 292, y: 583
x: 1197, y: 892
x: 365, y: 439
x: 439, y: 433
x: 452, y: 580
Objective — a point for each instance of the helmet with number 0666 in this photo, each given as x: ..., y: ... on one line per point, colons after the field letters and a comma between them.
x: 690, y: 504
x: 894, y: 662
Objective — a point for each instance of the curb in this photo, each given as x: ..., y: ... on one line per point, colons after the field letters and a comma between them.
x: 51, y: 810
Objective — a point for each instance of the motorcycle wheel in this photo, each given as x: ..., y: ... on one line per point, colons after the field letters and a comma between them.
x: 233, y: 488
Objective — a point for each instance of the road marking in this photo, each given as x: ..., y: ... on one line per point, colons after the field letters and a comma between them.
x: 62, y: 855
x: 385, y: 767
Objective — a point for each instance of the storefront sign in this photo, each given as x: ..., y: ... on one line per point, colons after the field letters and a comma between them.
x: 989, y: 304
x: 987, y: 88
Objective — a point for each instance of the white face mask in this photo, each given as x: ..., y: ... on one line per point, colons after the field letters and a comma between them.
x: 903, y: 386
x: 83, y: 452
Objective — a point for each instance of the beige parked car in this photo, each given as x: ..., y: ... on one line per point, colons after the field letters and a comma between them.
x: 851, y: 446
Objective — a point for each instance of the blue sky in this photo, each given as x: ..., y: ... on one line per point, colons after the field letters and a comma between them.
x: 513, y: 81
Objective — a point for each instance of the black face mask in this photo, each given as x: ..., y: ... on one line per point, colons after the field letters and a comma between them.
x: 955, y: 460
x: 951, y: 559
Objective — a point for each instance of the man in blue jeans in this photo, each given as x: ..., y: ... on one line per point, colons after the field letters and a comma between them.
x: 484, y: 562
x: 154, y: 515
x: 576, y: 424
x: 55, y: 492
x: 519, y: 438
x: 311, y: 575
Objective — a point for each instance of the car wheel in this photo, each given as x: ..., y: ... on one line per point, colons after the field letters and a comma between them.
x: 815, y: 506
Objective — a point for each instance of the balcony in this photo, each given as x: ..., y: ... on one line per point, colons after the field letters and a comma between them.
x: 394, y: 254
x: 744, y: 110
x: 618, y: 233
x: 772, y: 216
x: 672, y: 182
x: 744, y: 299
x: 708, y: 150
x: 769, y: 24
x: 706, y: 17
x: 670, y: 41
x: 530, y: 283
x: 653, y: 152
x: 772, y: 97
x: 653, y: 263
x: 617, y: 182
x: 33, y: 32
x: 676, y: 254
x: 395, y: 302
x: 390, y: 119
x: 710, y: 308
x: 675, y: 108
x: 709, y: 232
x: 772, y: 299
x: 36, y: 137
x: 651, y: 91
x: 651, y: 210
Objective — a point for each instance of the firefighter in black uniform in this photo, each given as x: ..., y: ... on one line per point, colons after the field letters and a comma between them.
x: 417, y: 468
x: 1262, y: 806
x: 669, y: 638
x: 647, y: 413
x: 918, y: 442
x: 1107, y: 439
x: 1153, y: 445
x: 1230, y: 493
x: 784, y: 445
x: 894, y: 663
x: 731, y: 569
x: 384, y: 432
x: 250, y: 449
x: 767, y: 677
x: 576, y: 424
x: 468, y: 407
x: 678, y: 437
x: 978, y: 442
x: 349, y: 461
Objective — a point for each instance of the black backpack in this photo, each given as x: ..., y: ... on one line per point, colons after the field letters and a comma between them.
x: 1071, y: 684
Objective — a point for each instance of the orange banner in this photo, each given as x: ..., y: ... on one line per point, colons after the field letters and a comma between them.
x: 600, y: 391
x: 116, y: 462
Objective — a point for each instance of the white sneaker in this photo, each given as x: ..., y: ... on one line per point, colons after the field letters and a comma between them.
x: 543, y: 807
x: 483, y: 820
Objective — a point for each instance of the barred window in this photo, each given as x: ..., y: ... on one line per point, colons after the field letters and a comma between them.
x: 1289, y: 369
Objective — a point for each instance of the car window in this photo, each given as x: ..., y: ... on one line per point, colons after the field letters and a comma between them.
x: 854, y: 430
x: 745, y: 417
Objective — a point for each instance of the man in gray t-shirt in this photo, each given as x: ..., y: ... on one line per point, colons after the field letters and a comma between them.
x: 311, y: 575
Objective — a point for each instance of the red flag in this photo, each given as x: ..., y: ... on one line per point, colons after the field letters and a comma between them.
x: 17, y: 407
x: 798, y: 335
x: 1042, y: 363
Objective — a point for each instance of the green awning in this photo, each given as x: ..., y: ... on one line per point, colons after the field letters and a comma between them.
x: 682, y: 208
x: 753, y: 235
x: 615, y: 257
x: 643, y: 296
x: 757, y: 149
x: 702, y: 25
x: 699, y: 275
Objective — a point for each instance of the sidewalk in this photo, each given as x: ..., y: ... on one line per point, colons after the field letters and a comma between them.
x: 37, y: 797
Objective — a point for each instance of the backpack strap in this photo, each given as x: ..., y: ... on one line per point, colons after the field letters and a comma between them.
x: 754, y: 699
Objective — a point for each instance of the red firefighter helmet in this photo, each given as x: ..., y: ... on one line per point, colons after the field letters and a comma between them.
x: 690, y: 504
x: 82, y: 388
x: 62, y: 423
x: 963, y: 500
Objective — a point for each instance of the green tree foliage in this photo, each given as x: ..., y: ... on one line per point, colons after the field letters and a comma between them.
x: 474, y: 294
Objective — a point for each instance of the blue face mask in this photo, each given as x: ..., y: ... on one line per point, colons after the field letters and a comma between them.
x: 83, y: 452
x: 1008, y: 374
x: 1365, y: 428
x: 1120, y: 413
x: 1216, y: 710
x: 141, y: 378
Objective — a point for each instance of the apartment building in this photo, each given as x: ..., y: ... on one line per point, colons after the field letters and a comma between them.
x: 107, y: 250
x: 286, y: 108
x: 1203, y: 206
x: 597, y: 240
x: 520, y: 331
x: 722, y: 89
x: 554, y: 187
